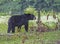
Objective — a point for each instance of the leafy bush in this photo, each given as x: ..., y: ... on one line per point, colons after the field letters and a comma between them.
x: 30, y: 10
x: 3, y: 14
x: 50, y: 25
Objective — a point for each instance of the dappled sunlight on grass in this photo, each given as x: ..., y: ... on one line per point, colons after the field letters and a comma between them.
x: 3, y: 28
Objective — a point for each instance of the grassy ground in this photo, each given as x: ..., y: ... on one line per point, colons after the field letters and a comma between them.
x: 29, y: 37
x: 32, y: 38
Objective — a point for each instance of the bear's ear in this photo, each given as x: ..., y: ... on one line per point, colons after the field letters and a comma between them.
x: 28, y: 14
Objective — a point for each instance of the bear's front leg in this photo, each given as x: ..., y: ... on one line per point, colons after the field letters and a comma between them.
x: 13, y: 29
x: 9, y: 29
x: 26, y: 27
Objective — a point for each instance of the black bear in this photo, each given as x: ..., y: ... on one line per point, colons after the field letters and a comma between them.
x: 19, y: 20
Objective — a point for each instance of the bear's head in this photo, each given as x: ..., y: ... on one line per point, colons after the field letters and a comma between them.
x: 31, y: 17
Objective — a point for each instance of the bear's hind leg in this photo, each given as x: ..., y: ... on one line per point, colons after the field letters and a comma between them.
x: 26, y: 27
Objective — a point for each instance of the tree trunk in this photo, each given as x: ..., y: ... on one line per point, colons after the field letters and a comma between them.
x: 58, y: 24
x: 38, y: 16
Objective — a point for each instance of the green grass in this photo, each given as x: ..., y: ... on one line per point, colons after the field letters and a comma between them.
x: 3, y: 28
x: 45, y: 37
x: 33, y: 37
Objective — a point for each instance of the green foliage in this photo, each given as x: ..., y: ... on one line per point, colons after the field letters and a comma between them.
x: 51, y: 13
x: 58, y: 16
x: 3, y: 14
x: 30, y: 10
x: 3, y: 28
x: 50, y: 25
x: 20, y: 5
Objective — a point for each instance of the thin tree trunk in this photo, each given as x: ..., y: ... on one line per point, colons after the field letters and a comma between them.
x: 58, y: 24
x: 38, y: 16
